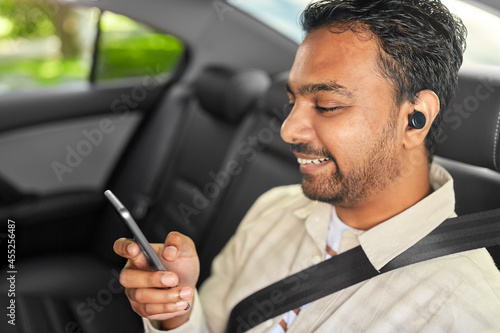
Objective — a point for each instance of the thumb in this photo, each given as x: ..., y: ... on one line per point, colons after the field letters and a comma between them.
x: 177, y: 245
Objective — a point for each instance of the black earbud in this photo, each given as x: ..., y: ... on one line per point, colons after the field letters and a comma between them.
x: 416, y: 120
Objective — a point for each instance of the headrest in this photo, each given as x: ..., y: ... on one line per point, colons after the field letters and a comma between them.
x: 227, y: 93
x: 471, y: 124
x: 276, y: 98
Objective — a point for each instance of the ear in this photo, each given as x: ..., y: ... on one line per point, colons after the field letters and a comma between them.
x: 426, y: 102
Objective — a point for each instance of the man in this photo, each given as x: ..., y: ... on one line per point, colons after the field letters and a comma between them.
x: 364, y: 73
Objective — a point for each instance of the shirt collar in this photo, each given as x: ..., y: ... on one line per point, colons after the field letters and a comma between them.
x: 317, y: 216
x: 387, y: 240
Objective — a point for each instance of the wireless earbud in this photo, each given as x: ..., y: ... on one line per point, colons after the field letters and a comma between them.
x: 416, y: 120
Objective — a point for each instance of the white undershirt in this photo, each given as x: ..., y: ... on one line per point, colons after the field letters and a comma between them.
x: 335, y: 230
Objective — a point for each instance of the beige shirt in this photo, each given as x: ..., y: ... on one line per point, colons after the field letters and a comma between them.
x: 284, y: 232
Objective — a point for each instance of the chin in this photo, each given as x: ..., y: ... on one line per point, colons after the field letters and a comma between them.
x: 328, y: 192
x: 317, y: 193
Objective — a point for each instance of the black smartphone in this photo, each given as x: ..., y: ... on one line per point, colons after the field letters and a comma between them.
x: 139, y: 237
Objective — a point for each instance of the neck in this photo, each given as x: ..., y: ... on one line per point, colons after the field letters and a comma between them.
x: 405, y: 192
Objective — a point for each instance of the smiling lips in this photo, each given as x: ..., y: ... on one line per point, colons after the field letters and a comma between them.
x: 303, y: 161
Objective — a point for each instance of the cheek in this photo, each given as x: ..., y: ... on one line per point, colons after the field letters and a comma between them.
x: 344, y: 140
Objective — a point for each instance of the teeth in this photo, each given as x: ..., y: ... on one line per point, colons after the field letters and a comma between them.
x: 315, y: 161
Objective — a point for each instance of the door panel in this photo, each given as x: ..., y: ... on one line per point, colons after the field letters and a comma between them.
x: 60, y: 140
x: 64, y: 140
x: 53, y: 170
x: 66, y: 155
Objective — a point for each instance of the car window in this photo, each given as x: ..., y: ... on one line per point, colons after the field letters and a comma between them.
x: 129, y: 49
x: 46, y: 44
x: 482, y: 47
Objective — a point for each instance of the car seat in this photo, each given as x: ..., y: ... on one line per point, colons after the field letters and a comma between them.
x: 469, y: 144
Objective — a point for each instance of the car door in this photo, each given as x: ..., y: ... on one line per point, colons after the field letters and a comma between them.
x: 74, y: 84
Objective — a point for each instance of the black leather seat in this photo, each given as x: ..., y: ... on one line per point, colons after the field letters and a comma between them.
x: 173, y: 153
x: 265, y: 161
x: 167, y: 175
x: 470, y: 142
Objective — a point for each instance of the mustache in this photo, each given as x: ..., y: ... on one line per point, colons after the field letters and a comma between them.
x: 304, y: 148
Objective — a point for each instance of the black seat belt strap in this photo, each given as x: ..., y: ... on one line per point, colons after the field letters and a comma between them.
x: 161, y: 135
x: 454, y: 235
x: 464, y: 233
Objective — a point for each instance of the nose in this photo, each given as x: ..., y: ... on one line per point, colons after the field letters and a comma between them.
x: 297, y: 126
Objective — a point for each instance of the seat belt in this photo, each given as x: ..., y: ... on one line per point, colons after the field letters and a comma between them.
x: 166, y: 130
x: 463, y: 233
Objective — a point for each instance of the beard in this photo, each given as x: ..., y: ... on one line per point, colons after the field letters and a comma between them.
x: 376, y: 168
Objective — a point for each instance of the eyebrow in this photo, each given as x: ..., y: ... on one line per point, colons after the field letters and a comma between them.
x: 314, y: 88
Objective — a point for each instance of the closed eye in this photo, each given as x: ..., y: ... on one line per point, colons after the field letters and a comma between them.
x: 321, y: 109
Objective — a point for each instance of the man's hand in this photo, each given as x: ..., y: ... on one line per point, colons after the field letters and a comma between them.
x: 162, y: 296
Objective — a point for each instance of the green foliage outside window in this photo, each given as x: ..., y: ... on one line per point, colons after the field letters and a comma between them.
x: 129, y: 49
x: 45, y: 43
x: 41, y: 44
x: 27, y: 18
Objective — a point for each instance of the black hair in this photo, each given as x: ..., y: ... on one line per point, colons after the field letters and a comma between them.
x: 422, y: 44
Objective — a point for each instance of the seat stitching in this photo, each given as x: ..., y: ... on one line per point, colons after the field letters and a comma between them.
x: 495, y: 142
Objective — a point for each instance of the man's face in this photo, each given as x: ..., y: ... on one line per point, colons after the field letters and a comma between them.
x: 344, y: 123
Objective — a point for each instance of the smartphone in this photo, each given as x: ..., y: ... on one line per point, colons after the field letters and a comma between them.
x: 139, y: 237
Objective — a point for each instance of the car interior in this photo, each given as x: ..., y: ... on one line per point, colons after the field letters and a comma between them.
x: 191, y: 156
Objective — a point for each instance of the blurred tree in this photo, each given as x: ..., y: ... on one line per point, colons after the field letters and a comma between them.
x: 38, y: 19
x: 29, y: 18
x: 66, y: 24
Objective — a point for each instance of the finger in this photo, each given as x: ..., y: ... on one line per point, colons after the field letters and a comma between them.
x: 135, y: 278
x: 129, y: 249
x: 159, y: 296
x: 156, y: 311
x: 126, y: 248
x: 177, y: 244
